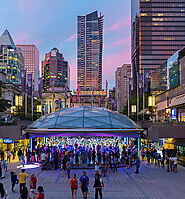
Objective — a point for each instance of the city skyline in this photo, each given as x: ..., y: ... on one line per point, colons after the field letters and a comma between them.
x: 32, y: 26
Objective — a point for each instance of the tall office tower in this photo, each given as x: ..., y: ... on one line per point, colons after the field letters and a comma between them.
x: 89, y: 55
x: 122, y: 76
x: 54, y: 68
x: 31, y: 61
x: 161, y: 32
x: 11, y: 58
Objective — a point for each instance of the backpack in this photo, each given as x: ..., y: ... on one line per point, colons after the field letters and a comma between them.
x: 97, y: 182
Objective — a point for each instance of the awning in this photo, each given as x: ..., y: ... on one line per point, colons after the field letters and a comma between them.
x: 179, y: 142
x: 178, y: 101
x: 13, y: 132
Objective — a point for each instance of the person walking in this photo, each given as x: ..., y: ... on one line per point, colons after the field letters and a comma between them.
x: 23, y: 159
x: 8, y: 156
x: 137, y: 165
x: 142, y: 153
x: 74, y: 186
x: 2, y: 191
x: 19, y: 153
x: 128, y: 165
x: 43, y: 158
x: 3, y: 166
x: 68, y: 167
x: 175, y: 164
x: 84, y: 184
x: 33, y: 183
x: 98, y: 185
x: 64, y: 167
x: 22, y: 179
x: 171, y: 163
x: 115, y: 163
x: 148, y: 156
x: 168, y: 163
x: 13, y: 179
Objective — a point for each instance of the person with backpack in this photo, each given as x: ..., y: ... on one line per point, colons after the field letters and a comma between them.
x: 98, y: 185
x: 84, y: 184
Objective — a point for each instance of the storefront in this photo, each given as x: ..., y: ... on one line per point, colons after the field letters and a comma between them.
x: 7, y: 144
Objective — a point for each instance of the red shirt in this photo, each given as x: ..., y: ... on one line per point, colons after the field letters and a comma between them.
x: 41, y: 195
x: 72, y: 155
x: 33, y: 182
x: 74, y: 183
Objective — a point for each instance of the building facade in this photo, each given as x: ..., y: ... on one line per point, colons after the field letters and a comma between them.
x: 31, y: 62
x: 170, y: 104
x: 11, y: 58
x: 54, y: 69
x: 89, y: 98
x: 89, y: 52
x: 122, y: 76
x: 161, y: 32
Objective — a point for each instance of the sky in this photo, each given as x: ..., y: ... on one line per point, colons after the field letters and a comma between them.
x: 53, y: 23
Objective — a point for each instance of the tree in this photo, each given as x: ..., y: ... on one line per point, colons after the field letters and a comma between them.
x: 133, y: 101
x: 4, y: 104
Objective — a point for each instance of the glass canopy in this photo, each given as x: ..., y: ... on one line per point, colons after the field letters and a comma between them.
x: 84, y: 117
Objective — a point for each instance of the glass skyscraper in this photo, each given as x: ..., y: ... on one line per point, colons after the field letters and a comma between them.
x: 89, y: 54
x: 161, y: 32
x: 11, y: 58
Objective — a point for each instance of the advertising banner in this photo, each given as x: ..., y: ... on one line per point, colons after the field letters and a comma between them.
x: 23, y: 80
x: 30, y: 84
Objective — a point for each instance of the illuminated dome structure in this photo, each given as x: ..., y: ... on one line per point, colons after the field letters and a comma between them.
x: 83, y: 121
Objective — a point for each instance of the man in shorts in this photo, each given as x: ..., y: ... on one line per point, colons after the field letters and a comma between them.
x: 84, y: 184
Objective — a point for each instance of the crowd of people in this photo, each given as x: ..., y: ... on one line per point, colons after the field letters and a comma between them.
x: 103, y: 154
x: 24, y: 193
x: 73, y: 152
x: 160, y: 159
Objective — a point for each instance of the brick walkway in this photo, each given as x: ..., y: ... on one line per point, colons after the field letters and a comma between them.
x: 153, y: 182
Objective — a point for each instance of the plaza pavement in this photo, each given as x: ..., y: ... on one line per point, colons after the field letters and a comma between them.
x: 152, y: 182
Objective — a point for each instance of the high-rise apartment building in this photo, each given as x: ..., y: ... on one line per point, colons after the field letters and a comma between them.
x: 31, y: 61
x: 54, y: 68
x: 11, y: 58
x: 89, y: 54
x: 160, y: 32
x: 122, y: 76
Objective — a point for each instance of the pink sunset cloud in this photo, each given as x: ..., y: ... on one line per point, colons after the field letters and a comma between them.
x: 69, y: 39
x: 24, y: 38
x: 124, y: 41
x: 121, y: 23
x: 112, y: 61
x: 26, y: 6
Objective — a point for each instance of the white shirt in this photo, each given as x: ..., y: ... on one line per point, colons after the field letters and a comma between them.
x: 43, y: 156
x: 175, y: 160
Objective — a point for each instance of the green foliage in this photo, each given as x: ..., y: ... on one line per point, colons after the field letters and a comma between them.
x: 133, y: 101
x: 21, y: 111
x: 4, y: 104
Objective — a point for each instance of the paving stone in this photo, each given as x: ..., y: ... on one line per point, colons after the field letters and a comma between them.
x: 152, y: 182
